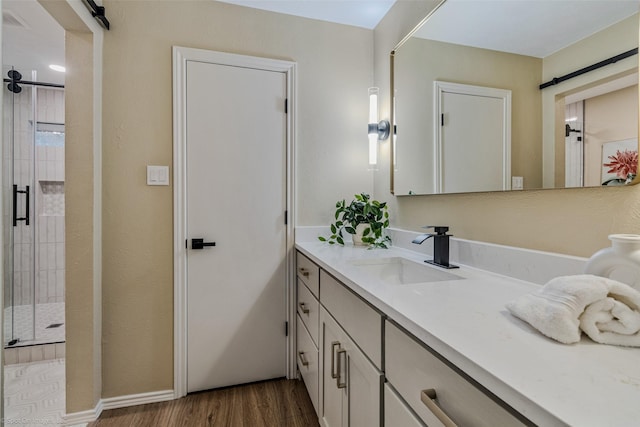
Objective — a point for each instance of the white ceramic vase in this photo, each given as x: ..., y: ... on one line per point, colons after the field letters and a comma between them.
x: 621, y: 261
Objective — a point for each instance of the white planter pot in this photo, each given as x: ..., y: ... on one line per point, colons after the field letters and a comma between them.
x: 357, y: 238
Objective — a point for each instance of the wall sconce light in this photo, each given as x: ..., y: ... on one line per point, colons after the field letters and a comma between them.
x: 378, y: 131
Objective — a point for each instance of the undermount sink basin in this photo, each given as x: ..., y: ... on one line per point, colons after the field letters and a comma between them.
x: 401, y: 271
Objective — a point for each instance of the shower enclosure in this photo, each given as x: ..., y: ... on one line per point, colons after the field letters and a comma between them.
x: 33, y: 200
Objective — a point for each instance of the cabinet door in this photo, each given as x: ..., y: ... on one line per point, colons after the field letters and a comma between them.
x: 332, y: 397
x: 364, y: 387
x: 351, y: 385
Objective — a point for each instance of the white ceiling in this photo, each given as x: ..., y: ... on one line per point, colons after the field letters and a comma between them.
x: 360, y: 13
x: 31, y: 40
x: 535, y: 28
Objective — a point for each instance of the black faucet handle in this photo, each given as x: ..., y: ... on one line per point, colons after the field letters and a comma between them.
x: 440, y: 230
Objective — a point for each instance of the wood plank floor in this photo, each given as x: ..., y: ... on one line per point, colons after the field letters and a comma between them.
x: 272, y: 403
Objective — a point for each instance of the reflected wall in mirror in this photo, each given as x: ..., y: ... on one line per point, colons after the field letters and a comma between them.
x: 560, y: 136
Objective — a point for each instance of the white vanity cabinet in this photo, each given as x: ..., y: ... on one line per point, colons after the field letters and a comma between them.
x: 307, y: 318
x: 436, y: 392
x: 362, y: 370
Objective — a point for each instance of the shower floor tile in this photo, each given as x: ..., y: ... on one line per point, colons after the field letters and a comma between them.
x: 34, y: 393
x: 46, y: 315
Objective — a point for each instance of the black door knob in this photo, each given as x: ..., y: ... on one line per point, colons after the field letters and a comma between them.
x: 200, y: 243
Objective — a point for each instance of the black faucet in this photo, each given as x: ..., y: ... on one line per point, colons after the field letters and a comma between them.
x: 440, y: 245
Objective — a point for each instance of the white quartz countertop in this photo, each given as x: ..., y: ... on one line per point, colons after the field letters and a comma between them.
x: 552, y: 384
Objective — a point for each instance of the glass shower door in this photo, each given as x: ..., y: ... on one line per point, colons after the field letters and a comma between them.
x: 19, y: 235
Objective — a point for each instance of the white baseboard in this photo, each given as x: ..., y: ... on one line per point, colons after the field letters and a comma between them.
x: 79, y: 418
x: 82, y: 417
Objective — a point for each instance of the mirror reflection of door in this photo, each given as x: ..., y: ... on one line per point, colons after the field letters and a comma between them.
x: 474, y: 131
x: 574, y: 144
x: 600, y: 122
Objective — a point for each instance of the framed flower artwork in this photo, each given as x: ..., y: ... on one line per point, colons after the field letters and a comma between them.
x: 619, y: 161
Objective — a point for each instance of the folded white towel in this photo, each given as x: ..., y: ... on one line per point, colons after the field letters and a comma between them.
x: 606, y: 310
x: 615, y: 319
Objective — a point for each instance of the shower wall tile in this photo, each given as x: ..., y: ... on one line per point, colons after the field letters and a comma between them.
x: 51, y: 255
x: 43, y: 289
x: 50, y: 105
x: 51, y: 229
x: 10, y: 356
x: 49, y: 176
x: 24, y: 354
x: 33, y: 353
x: 60, y: 230
x: 50, y: 351
x: 59, y: 256
x: 60, y: 350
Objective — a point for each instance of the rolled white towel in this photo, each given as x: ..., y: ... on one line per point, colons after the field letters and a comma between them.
x: 615, y: 319
x: 557, y: 310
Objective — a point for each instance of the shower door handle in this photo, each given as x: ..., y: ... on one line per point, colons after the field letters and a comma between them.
x: 15, y: 205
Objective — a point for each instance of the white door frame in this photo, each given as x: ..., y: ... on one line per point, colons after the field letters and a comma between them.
x: 181, y: 55
x: 439, y: 88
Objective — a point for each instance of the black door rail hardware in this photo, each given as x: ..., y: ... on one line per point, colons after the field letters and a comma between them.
x: 15, y: 205
x: 584, y: 70
x: 200, y: 243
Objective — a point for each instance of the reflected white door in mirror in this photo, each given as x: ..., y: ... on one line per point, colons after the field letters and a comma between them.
x: 475, y: 123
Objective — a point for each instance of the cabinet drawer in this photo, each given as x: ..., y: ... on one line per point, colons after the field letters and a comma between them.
x: 308, y: 310
x: 309, y: 273
x: 362, y: 322
x: 396, y: 412
x: 411, y: 368
x: 307, y: 355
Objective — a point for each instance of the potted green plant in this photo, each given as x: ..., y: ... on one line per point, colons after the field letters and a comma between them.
x: 363, y: 218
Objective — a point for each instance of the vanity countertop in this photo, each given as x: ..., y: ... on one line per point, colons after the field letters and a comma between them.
x: 552, y: 384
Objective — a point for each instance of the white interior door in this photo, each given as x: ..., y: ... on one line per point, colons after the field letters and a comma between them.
x: 236, y: 197
x: 574, y: 145
x: 475, y: 123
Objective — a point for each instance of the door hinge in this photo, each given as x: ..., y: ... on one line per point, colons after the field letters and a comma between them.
x: 442, y: 119
x: 286, y: 106
x: 286, y: 217
x: 286, y: 329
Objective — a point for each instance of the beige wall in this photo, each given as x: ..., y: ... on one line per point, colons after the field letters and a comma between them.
x: 571, y: 221
x: 83, y: 372
x: 334, y: 72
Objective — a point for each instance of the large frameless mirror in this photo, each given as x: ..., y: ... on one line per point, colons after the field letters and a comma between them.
x: 496, y: 95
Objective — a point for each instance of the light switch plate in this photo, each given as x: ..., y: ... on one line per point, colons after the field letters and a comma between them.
x: 517, y: 182
x: 157, y: 175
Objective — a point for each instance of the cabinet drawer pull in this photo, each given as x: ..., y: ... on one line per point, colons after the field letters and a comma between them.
x: 303, y: 308
x: 303, y: 359
x: 333, y: 353
x: 428, y: 398
x: 304, y: 272
x: 338, y: 383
